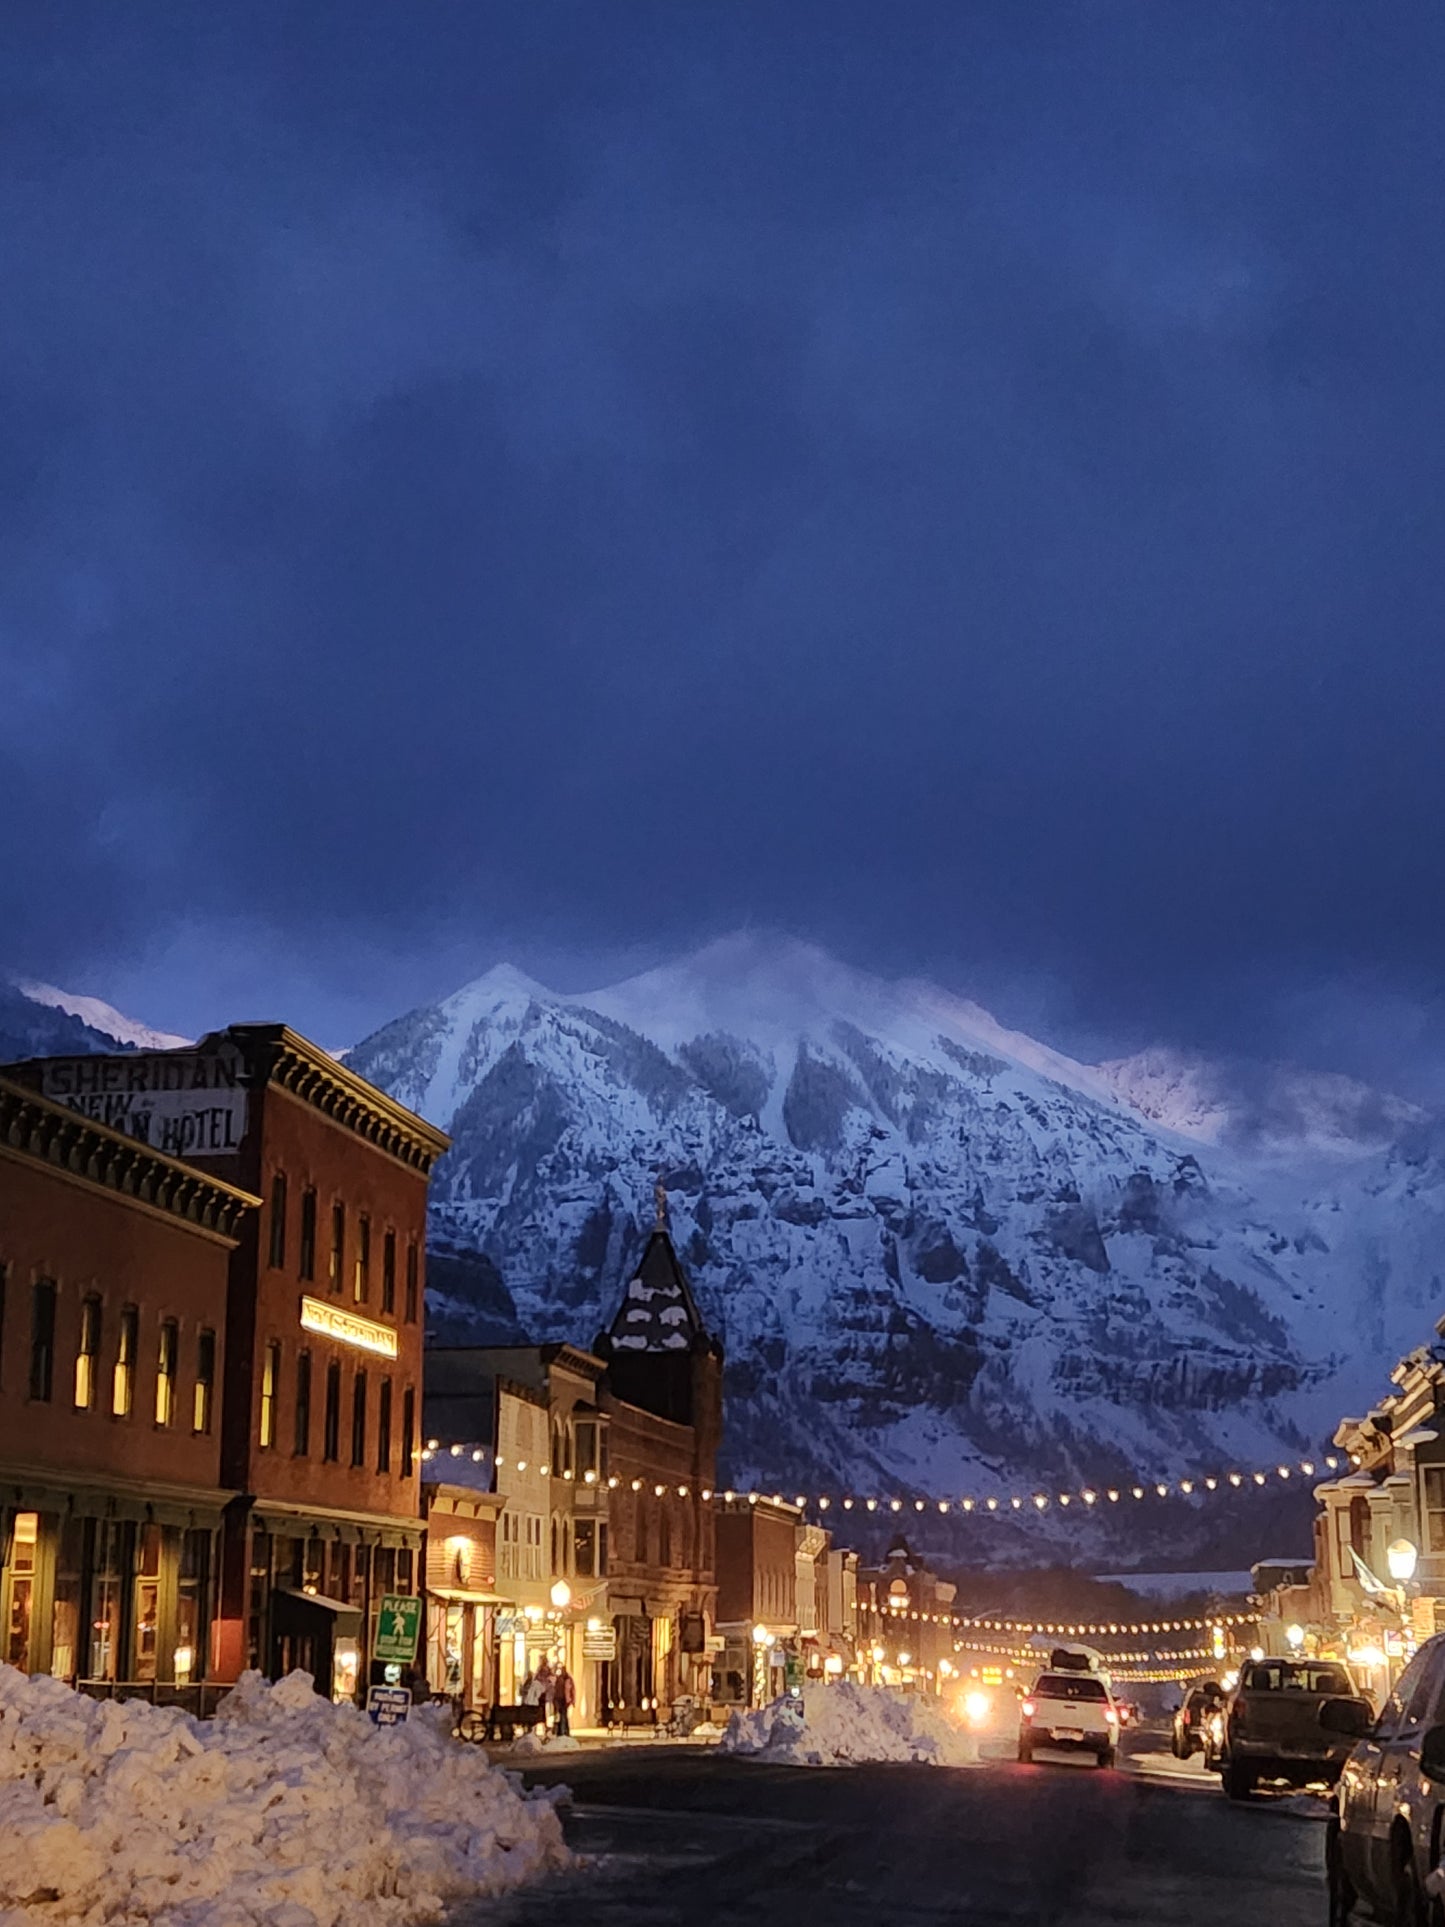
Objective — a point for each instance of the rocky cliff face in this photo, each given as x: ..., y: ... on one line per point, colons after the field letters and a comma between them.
x: 943, y: 1257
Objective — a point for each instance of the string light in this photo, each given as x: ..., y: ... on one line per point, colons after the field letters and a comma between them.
x: 1193, y: 1487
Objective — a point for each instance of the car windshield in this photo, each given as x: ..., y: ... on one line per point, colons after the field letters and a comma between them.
x: 1296, y: 1676
x: 1070, y: 1686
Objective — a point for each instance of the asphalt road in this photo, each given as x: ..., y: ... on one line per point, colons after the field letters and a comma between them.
x: 688, y: 1836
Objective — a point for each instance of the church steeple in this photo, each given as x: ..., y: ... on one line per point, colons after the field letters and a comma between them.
x: 658, y: 1312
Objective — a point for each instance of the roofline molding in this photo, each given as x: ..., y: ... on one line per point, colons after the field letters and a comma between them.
x: 71, y: 1145
x: 282, y: 1056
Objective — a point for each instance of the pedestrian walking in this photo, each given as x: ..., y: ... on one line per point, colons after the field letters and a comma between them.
x: 564, y: 1698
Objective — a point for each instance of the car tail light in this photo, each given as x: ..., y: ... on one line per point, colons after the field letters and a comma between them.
x: 1111, y: 1716
x: 1027, y: 1709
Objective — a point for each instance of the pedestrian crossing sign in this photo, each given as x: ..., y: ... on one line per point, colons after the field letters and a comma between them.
x: 397, y: 1626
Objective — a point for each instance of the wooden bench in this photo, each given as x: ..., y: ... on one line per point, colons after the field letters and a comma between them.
x: 504, y: 1722
x: 629, y: 1716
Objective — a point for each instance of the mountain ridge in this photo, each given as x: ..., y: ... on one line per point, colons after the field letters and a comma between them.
x: 935, y: 1247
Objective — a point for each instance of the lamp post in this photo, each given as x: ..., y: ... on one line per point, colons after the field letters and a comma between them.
x: 761, y: 1636
x: 1401, y: 1557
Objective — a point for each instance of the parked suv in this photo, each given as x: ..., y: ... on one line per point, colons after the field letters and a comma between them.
x: 1272, y: 1727
x: 1070, y: 1711
x: 1388, y: 1829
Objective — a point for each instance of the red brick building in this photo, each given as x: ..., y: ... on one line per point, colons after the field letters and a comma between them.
x: 320, y: 1406
x: 114, y: 1270
x: 757, y: 1607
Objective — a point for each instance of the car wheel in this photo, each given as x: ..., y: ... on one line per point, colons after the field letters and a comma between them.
x: 1174, y: 1745
x: 1341, y: 1892
x: 1238, y: 1781
x: 1409, y: 1899
x: 1106, y: 1758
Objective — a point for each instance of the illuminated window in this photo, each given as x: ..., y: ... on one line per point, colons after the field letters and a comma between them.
x: 270, y: 1379
x: 87, y: 1354
x: 278, y: 1222
x: 308, y: 1234
x: 205, y: 1381
x: 166, y: 1372
x: 42, y: 1339
x: 388, y: 1272
x: 122, y: 1394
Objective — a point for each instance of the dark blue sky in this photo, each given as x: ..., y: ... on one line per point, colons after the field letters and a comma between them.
x: 961, y: 482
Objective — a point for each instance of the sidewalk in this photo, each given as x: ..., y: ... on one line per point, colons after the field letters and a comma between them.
x: 595, y: 1739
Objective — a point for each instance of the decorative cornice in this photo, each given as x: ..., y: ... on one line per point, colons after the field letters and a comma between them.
x: 276, y: 1054
x: 33, y: 1127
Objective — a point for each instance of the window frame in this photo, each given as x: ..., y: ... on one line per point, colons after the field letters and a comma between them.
x: 204, y: 1397
x: 168, y: 1365
x: 44, y: 1302
x: 277, y: 1251
x: 87, y: 1352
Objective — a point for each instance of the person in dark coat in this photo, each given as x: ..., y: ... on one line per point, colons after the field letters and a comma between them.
x: 564, y: 1698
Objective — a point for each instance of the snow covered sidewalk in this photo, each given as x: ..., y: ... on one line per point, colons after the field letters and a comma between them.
x: 284, y: 1811
x: 847, y: 1725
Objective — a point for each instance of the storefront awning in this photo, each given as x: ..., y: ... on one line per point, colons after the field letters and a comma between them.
x: 345, y: 1528
x: 294, y: 1610
x: 456, y: 1596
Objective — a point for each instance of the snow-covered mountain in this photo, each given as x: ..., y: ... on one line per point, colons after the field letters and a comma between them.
x: 941, y: 1253
x: 102, y: 1018
x: 34, y: 1027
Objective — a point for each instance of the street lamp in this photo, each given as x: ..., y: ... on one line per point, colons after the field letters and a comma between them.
x: 561, y: 1595
x: 1401, y: 1556
x: 1295, y: 1635
x: 760, y: 1635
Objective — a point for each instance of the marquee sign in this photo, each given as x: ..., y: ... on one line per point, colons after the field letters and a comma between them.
x: 348, y: 1327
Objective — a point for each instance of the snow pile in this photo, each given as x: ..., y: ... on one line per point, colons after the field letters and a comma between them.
x: 846, y: 1725
x: 285, y: 1811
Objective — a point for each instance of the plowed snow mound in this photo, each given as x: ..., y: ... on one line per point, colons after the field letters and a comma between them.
x: 283, y: 1811
x: 846, y: 1725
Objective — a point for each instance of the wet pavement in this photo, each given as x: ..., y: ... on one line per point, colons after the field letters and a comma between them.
x: 690, y: 1836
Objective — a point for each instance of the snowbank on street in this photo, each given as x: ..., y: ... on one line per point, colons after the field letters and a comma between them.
x: 845, y: 1725
x: 284, y: 1811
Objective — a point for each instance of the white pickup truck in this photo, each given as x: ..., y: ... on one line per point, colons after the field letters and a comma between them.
x: 1069, y: 1711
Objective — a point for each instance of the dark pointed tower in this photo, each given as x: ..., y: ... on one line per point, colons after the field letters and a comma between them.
x: 660, y: 1354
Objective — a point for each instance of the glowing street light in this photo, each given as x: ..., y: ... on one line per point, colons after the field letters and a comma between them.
x: 1400, y: 1557
x: 560, y: 1595
x: 1295, y: 1635
x: 760, y: 1635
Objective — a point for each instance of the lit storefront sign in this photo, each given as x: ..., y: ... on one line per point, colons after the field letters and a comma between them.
x: 330, y: 1321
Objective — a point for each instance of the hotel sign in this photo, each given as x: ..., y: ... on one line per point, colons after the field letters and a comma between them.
x: 330, y: 1321
x: 185, y: 1103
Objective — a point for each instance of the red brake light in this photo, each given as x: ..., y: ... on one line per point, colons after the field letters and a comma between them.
x: 1111, y: 1716
x: 1027, y: 1709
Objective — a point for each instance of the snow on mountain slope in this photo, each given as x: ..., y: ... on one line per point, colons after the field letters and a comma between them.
x: 32, y: 1028
x: 939, y: 1252
x: 102, y: 1017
